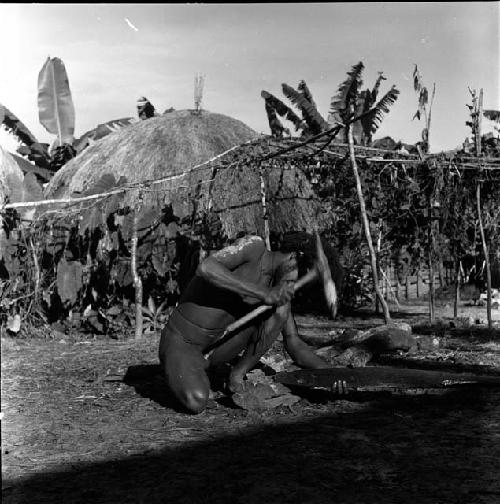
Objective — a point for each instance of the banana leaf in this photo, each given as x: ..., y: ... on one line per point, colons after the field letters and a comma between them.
x: 55, y: 105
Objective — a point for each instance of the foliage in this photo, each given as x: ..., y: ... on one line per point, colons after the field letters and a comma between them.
x: 424, y: 106
x: 275, y: 106
x: 350, y: 103
x: 310, y: 114
x: 31, y: 148
x: 55, y: 104
x: 310, y: 123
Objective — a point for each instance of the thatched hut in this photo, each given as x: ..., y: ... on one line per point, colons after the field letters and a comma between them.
x: 147, y: 150
x: 170, y: 146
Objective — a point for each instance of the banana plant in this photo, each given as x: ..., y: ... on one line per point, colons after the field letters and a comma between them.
x: 30, y: 147
x: 311, y: 121
x: 351, y: 103
x: 153, y: 316
x: 424, y: 106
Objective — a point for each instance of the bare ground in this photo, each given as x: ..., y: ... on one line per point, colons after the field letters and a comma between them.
x: 75, y: 432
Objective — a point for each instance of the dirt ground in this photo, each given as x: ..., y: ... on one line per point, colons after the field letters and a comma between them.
x: 75, y: 431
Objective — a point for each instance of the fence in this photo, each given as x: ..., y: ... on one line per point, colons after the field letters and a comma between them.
x: 414, y: 286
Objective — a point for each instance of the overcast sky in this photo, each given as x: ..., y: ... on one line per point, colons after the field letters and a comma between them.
x: 115, y: 53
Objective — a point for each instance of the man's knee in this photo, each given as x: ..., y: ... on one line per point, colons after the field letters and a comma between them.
x: 195, y: 399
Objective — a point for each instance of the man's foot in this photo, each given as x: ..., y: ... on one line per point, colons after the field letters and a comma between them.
x: 235, y: 383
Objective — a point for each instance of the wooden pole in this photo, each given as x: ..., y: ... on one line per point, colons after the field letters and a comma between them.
x: 457, y: 288
x: 431, y: 264
x: 36, y: 267
x: 366, y: 225
x: 418, y: 280
x: 379, y: 248
x: 265, y: 214
x: 479, y: 116
x: 135, y: 273
x: 486, y: 254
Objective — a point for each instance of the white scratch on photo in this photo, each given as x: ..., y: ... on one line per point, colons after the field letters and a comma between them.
x: 127, y: 20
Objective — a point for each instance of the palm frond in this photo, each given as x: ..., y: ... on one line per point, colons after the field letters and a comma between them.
x: 417, y: 80
x: 14, y: 125
x: 306, y: 93
x: 283, y: 110
x: 31, y: 147
x: 374, y: 118
x: 274, y: 122
x: 347, y: 93
x: 376, y: 87
x: 310, y: 114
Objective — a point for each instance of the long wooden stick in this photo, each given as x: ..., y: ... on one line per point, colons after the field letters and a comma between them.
x: 237, y: 324
x: 265, y: 213
x: 486, y: 255
x: 135, y: 274
x: 366, y: 226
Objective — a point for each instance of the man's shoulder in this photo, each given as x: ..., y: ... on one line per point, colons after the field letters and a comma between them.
x: 248, y: 244
x: 249, y: 240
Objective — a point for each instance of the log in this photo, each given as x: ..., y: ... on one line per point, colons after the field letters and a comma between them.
x: 383, y: 378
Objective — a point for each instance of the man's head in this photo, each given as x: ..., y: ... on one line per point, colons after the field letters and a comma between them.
x: 145, y: 108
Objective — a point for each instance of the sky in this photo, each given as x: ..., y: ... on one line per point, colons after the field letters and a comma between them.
x: 115, y: 53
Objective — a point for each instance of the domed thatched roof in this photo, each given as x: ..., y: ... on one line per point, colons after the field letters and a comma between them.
x: 151, y: 149
x: 174, y: 143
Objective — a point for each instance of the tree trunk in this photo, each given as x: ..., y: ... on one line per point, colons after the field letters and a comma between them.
x: 366, y: 226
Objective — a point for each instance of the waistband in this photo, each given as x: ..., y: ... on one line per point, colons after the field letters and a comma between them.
x: 190, y: 332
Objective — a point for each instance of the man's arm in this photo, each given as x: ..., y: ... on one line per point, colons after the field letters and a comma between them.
x: 301, y: 353
x: 217, y: 269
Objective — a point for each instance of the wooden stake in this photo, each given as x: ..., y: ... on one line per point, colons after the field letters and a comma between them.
x: 265, y: 214
x: 486, y: 255
x: 457, y: 288
x: 431, y: 264
x: 479, y: 117
x: 135, y: 274
x: 36, y: 267
x: 366, y: 225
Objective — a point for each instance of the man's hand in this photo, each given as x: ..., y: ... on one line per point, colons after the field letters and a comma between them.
x: 340, y: 387
x: 280, y: 294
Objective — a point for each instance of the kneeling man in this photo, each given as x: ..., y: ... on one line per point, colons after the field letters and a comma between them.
x: 227, y: 285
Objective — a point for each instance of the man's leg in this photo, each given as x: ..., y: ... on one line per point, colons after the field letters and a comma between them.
x: 231, y: 348
x: 258, y: 345
x: 185, y: 370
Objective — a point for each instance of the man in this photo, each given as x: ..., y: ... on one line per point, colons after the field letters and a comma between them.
x: 227, y: 285
x: 145, y: 109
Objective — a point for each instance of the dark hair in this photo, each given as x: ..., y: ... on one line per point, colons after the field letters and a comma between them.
x: 147, y: 109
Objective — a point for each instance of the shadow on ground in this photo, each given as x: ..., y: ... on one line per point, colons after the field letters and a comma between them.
x: 424, y: 449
